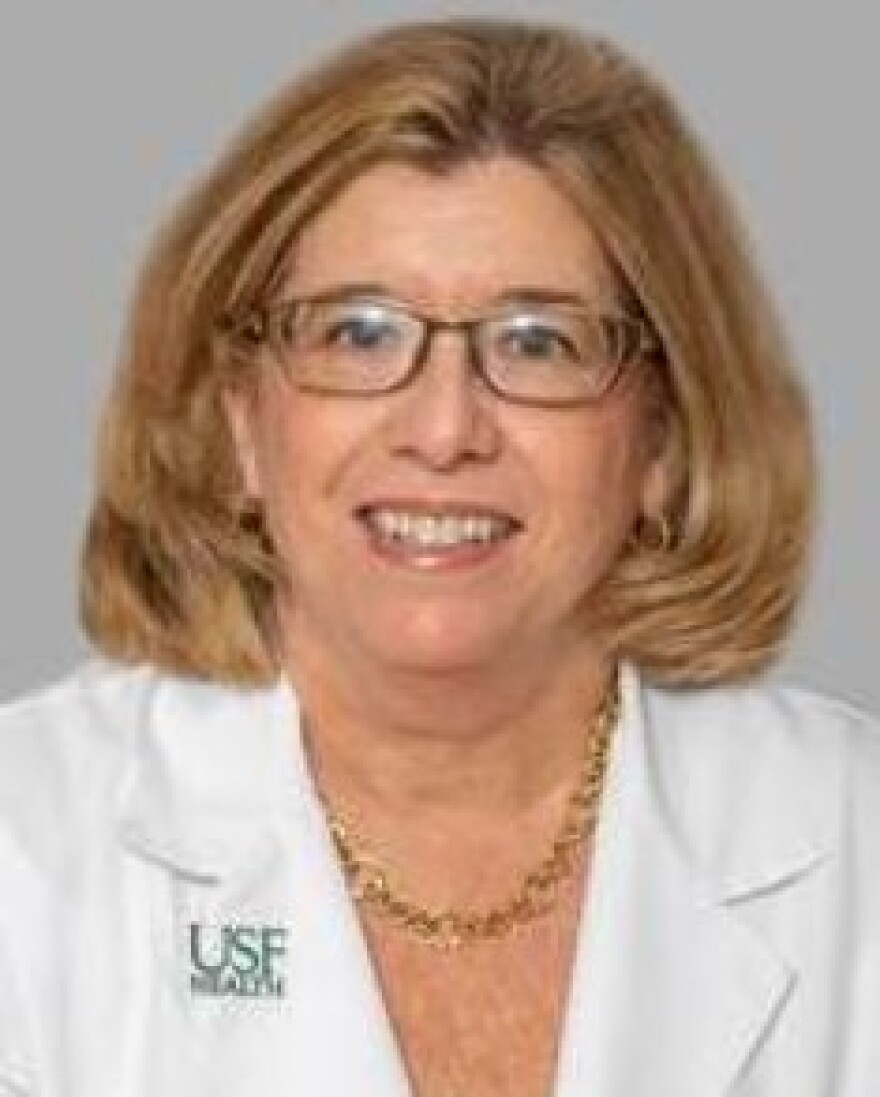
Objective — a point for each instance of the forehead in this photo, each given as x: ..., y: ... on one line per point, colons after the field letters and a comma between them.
x: 452, y: 239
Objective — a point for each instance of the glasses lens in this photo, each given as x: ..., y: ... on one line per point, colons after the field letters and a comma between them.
x: 552, y: 356
x: 348, y: 345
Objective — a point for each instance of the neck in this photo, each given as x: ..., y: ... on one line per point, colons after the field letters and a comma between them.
x: 476, y: 742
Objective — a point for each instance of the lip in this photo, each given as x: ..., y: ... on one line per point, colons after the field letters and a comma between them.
x: 454, y: 508
x: 422, y: 559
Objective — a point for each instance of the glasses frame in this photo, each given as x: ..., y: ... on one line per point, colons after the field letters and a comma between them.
x: 263, y: 324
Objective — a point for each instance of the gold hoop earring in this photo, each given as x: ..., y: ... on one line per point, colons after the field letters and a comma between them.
x: 655, y: 533
x: 252, y: 521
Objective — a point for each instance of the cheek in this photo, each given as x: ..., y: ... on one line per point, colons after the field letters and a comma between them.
x: 280, y: 445
x: 303, y: 450
x: 600, y: 462
x: 594, y: 483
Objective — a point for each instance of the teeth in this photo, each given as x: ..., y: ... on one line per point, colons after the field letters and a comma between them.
x: 437, y: 530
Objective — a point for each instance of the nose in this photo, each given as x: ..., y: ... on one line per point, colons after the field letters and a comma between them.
x: 445, y: 415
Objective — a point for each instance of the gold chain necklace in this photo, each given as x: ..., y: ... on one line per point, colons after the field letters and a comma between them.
x: 369, y: 883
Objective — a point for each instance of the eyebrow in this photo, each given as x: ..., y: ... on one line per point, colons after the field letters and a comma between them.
x: 522, y: 295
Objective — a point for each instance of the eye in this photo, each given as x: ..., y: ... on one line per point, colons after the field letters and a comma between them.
x: 535, y: 338
x: 357, y: 328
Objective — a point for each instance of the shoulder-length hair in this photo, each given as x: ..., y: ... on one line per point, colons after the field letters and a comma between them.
x: 176, y: 571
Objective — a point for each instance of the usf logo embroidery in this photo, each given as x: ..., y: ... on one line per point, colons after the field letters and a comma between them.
x: 240, y: 960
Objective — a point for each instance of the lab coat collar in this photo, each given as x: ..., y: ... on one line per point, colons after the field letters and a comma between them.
x: 210, y: 777
x: 673, y: 987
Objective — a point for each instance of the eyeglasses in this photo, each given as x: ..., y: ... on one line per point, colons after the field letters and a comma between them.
x: 548, y: 352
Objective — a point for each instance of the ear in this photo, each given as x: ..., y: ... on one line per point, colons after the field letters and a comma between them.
x: 656, y: 488
x: 665, y: 469
x: 239, y: 405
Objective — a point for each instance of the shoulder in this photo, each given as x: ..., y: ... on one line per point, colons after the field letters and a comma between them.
x: 739, y: 764
x: 62, y: 751
x: 761, y: 721
x: 97, y: 714
x: 66, y: 736
x: 66, y: 752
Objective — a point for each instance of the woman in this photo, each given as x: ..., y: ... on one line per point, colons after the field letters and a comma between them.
x: 455, y: 484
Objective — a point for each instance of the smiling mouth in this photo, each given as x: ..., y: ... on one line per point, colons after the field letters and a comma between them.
x: 436, y: 532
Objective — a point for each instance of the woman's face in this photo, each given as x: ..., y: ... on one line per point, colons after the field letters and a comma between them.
x: 558, y: 488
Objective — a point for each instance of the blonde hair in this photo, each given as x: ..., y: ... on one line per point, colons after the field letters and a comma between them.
x: 173, y: 574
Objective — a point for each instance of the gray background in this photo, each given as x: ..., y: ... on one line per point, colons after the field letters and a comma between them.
x: 107, y: 109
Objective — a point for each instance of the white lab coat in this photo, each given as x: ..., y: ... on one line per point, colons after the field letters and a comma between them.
x: 730, y: 944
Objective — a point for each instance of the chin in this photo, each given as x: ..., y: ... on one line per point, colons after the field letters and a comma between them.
x: 436, y: 642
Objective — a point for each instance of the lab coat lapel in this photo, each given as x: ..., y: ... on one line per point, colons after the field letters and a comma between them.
x: 243, y: 844
x: 673, y: 991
